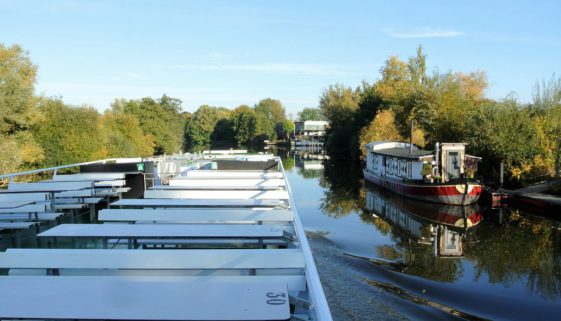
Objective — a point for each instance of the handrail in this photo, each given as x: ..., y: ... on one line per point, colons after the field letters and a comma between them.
x: 40, y: 170
x: 319, y: 302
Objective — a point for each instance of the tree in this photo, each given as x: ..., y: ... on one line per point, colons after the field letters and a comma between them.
x: 200, y: 128
x: 243, y: 123
x: 310, y: 114
x: 339, y: 105
x: 272, y: 109
x: 17, y: 110
x: 505, y: 132
x: 383, y: 127
x: 269, y: 112
x: 223, y: 134
x: 284, y: 129
x: 69, y: 134
x: 264, y: 128
x: 159, y: 118
x: 125, y: 137
x: 17, y: 82
x: 547, y: 108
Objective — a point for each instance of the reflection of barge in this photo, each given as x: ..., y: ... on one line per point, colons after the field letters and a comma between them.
x: 443, y: 226
x: 445, y: 176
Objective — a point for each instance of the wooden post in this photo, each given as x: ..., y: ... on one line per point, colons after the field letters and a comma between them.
x: 501, y: 174
x: 411, y: 139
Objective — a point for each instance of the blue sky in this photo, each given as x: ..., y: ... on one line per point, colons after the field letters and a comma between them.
x: 227, y: 53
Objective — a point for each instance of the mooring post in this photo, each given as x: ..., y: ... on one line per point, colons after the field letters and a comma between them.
x: 501, y: 174
x: 411, y: 139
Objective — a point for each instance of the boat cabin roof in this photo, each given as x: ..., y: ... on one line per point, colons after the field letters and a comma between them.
x: 401, y: 150
x: 404, y: 152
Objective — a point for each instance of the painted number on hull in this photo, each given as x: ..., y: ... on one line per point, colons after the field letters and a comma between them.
x: 276, y: 298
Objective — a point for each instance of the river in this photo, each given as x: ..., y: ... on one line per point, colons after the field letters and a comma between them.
x: 383, y: 257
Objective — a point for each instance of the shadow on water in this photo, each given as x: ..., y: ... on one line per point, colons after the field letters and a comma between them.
x: 407, y: 259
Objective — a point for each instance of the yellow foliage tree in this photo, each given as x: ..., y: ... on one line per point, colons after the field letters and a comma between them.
x: 383, y: 127
x: 125, y: 137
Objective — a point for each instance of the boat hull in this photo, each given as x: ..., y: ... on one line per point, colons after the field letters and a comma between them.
x: 453, y: 194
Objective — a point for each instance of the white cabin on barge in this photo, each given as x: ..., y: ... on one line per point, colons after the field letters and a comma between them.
x: 442, y: 176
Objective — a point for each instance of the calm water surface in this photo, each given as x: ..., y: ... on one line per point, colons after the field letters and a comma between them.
x: 383, y: 257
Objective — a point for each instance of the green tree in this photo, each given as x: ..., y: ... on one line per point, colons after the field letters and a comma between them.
x: 547, y: 110
x: 200, y: 128
x: 269, y: 112
x: 243, y: 123
x: 17, y: 82
x: 69, y: 134
x: 339, y: 105
x: 505, y: 132
x: 223, y: 135
x: 272, y: 109
x: 125, y: 137
x: 159, y: 118
x: 17, y: 110
x: 310, y: 114
x: 264, y: 128
x: 286, y: 128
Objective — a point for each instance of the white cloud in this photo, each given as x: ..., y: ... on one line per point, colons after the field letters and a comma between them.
x: 287, y: 68
x: 423, y: 33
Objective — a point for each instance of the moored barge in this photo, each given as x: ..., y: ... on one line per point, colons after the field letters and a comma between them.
x: 444, y: 176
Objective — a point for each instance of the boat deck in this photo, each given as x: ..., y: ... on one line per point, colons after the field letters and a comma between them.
x: 233, y: 249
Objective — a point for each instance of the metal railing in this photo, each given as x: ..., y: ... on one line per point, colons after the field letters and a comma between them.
x: 54, y: 169
x: 319, y: 302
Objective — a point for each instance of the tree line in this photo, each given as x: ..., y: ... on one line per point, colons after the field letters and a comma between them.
x: 219, y: 127
x: 37, y: 131
x: 448, y: 107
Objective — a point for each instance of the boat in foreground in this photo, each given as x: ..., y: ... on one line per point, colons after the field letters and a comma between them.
x: 217, y: 239
x: 444, y: 176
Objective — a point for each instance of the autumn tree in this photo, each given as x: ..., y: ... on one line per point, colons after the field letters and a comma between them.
x: 69, y: 134
x: 125, y: 137
x: 383, y: 127
x: 159, y: 118
x: 17, y: 110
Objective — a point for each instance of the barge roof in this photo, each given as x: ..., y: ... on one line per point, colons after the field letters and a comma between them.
x: 403, y: 152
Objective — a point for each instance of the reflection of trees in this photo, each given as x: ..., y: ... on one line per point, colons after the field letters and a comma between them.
x: 342, y: 181
x: 519, y: 248
x: 425, y: 264
x: 288, y: 163
x: 383, y: 227
x: 309, y: 173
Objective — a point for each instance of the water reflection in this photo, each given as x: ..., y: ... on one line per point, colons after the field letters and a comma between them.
x: 422, y: 233
x: 343, y: 193
x: 517, y: 248
x: 492, y: 263
x: 444, y: 227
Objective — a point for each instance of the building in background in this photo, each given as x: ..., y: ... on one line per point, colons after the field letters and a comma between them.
x: 310, y: 128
